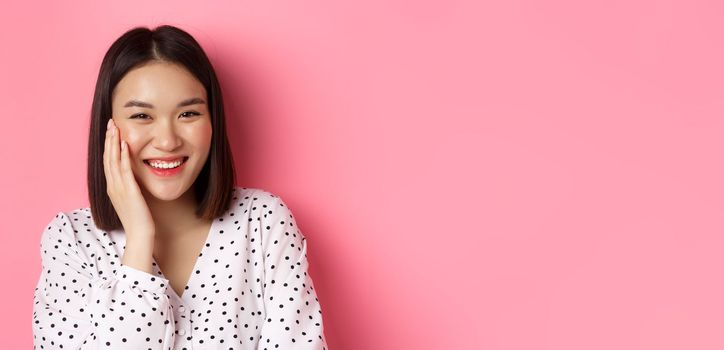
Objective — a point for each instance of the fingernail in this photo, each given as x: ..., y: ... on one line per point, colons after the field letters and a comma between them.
x: 108, y: 125
x: 123, y: 145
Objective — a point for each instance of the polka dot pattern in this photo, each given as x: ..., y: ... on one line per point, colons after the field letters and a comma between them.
x: 249, y: 288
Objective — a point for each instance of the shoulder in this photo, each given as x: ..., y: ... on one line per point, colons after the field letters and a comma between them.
x: 259, y: 201
x: 263, y: 206
x: 66, y: 229
x: 71, y: 221
x: 77, y: 226
x: 272, y: 206
x: 280, y: 235
x: 253, y: 193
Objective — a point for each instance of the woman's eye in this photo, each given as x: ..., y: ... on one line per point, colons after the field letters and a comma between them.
x: 186, y: 114
x: 193, y: 113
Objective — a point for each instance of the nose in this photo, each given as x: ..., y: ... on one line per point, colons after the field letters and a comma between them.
x: 165, y: 137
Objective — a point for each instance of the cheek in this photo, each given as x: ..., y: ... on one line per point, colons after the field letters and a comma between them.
x: 201, y: 136
x: 133, y: 139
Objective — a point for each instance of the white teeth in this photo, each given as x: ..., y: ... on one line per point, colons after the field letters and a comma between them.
x: 164, y: 165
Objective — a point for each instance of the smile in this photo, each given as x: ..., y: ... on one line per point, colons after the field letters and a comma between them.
x: 165, y: 169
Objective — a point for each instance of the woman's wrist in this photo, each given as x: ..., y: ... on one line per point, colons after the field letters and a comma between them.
x: 138, y: 253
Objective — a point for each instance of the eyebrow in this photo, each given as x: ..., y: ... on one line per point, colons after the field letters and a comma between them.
x: 187, y: 102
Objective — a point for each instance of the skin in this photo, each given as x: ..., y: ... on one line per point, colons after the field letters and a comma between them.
x: 164, y: 130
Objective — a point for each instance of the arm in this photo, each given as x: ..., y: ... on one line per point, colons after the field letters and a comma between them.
x: 293, y: 314
x: 76, y: 307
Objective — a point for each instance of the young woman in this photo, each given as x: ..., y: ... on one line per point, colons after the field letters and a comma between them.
x: 170, y: 254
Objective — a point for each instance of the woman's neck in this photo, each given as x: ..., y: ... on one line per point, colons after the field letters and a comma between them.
x: 173, y: 217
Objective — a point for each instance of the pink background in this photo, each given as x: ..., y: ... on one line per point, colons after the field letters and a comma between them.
x: 470, y: 175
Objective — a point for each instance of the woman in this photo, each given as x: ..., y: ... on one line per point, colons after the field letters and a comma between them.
x: 170, y: 254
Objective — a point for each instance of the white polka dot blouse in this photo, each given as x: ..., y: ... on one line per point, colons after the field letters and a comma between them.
x: 249, y: 288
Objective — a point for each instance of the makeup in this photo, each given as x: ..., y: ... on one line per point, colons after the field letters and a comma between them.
x: 167, y: 172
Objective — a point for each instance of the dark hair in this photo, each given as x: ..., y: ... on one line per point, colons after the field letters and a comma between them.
x: 214, y: 185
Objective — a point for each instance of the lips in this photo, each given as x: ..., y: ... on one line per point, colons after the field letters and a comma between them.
x: 167, y: 172
x: 167, y: 159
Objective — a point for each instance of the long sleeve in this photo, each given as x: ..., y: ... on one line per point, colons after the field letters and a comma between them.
x: 293, y: 313
x: 75, y: 306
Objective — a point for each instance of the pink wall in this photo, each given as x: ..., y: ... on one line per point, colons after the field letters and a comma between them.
x: 470, y: 175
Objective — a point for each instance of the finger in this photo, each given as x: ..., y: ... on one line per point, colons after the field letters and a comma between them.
x: 114, y: 159
x: 106, y: 157
x: 126, y: 169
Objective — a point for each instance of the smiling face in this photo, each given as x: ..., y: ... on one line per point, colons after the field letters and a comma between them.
x: 161, y: 111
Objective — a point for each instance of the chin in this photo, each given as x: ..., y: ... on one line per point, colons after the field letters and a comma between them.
x: 166, y: 191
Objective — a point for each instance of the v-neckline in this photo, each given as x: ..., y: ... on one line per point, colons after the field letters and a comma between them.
x: 196, y: 263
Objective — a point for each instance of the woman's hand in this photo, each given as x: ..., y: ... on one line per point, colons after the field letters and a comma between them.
x: 123, y: 190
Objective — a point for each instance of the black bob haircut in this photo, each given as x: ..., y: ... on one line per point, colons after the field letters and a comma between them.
x: 214, y: 185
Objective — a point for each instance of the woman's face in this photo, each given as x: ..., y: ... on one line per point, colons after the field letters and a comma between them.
x: 161, y: 111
